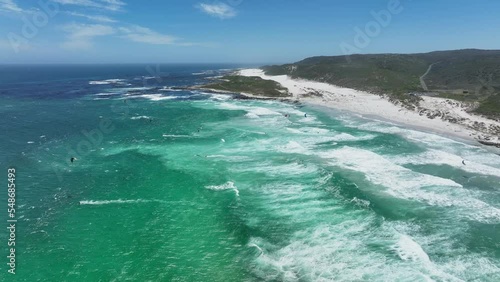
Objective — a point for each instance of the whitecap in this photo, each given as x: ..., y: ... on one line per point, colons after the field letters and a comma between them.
x: 140, y: 117
x: 407, y: 249
x: 176, y: 136
x: 168, y: 88
x: 226, y: 186
x: 404, y: 183
x: 438, y: 157
x: 155, y: 97
x: 119, y: 201
x: 107, y: 81
x: 106, y: 94
x: 220, y: 97
x: 252, y: 116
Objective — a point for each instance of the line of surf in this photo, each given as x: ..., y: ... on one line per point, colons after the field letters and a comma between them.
x: 119, y: 201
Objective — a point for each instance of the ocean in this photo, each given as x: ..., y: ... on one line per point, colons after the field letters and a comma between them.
x: 171, y: 184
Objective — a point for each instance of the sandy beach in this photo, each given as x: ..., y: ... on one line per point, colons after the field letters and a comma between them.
x: 444, y: 116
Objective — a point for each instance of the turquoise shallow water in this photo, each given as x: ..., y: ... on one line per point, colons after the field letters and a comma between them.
x: 191, y: 186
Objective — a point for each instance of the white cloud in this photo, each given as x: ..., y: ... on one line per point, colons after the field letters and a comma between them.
x: 146, y: 35
x: 81, y: 35
x: 111, y: 5
x: 10, y: 6
x: 219, y: 10
x: 97, y: 18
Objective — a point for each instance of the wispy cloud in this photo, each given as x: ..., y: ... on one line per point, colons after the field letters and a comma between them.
x: 96, y: 18
x: 111, y: 5
x: 219, y: 10
x: 10, y: 6
x: 146, y: 35
x: 80, y: 36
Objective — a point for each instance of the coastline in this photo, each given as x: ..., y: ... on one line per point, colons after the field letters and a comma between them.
x: 379, y: 118
x: 378, y: 107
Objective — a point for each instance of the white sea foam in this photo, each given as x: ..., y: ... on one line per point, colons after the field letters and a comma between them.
x: 155, y: 97
x: 204, y: 72
x: 119, y: 201
x: 274, y: 170
x: 407, y: 249
x: 294, y: 130
x: 259, y: 111
x: 309, y: 130
x: 326, y: 135
x: 252, y: 116
x: 176, y: 136
x: 107, y: 81
x: 428, y: 139
x: 382, y: 171
x: 106, y: 94
x: 444, y: 158
x: 135, y: 88
x: 407, y: 184
x: 349, y: 137
x: 253, y: 245
x: 342, y: 252
x: 230, y: 158
x: 293, y: 147
x: 360, y: 202
x: 263, y: 111
x: 226, y: 186
x: 220, y: 97
x: 168, y: 88
x: 140, y: 117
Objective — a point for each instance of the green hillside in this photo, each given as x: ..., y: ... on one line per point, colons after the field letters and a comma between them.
x: 472, y: 75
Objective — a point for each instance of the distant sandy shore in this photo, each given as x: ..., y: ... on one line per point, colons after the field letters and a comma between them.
x: 438, y: 115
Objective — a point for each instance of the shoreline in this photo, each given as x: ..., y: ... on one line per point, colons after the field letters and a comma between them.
x: 469, y: 140
x: 372, y: 106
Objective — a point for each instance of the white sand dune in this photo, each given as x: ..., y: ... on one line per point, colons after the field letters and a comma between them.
x: 464, y: 125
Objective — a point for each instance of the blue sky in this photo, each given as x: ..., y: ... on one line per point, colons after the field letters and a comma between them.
x: 237, y: 31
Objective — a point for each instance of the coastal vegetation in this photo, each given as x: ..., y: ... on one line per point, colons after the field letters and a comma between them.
x: 250, y: 85
x: 466, y: 75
